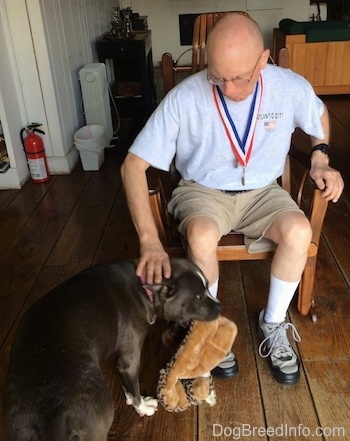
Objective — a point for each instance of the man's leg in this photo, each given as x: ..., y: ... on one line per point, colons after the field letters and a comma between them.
x: 292, y: 233
x: 202, y: 235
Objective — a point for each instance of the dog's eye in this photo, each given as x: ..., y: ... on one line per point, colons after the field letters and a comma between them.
x: 198, y: 296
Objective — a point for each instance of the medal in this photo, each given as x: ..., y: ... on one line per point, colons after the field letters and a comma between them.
x: 241, y: 148
x: 243, y: 177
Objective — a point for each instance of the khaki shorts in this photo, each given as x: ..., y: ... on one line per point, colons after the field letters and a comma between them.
x: 250, y: 213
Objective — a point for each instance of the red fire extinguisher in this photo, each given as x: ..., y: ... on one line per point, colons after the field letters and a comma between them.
x: 34, y: 149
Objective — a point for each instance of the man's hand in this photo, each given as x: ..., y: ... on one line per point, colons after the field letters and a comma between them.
x: 328, y: 180
x: 154, y: 263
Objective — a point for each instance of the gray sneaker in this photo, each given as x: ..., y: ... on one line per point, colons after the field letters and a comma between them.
x: 228, y: 368
x: 283, y: 361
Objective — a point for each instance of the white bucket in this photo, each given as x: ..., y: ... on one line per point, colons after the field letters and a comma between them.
x: 91, y: 140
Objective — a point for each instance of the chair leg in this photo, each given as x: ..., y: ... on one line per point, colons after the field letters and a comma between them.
x: 306, y: 289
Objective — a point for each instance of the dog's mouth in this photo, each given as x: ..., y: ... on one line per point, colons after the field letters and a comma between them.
x: 185, y: 322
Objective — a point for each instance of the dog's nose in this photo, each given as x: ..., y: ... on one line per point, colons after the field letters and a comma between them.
x: 214, y: 299
x: 216, y: 304
x: 216, y: 308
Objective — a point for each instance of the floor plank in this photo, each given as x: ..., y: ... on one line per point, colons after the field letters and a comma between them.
x: 6, y: 197
x: 83, y: 231
x: 119, y: 239
x: 16, y: 209
x: 330, y: 387
x: 329, y: 339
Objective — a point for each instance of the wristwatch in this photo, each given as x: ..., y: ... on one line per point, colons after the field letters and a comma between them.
x: 324, y: 148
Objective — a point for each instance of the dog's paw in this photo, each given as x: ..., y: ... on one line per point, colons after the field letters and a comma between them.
x: 211, y: 398
x: 129, y: 399
x: 148, y: 406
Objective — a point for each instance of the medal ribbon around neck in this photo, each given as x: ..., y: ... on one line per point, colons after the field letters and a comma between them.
x: 238, y: 145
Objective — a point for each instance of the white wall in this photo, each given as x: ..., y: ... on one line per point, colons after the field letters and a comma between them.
x: 11, y: 108
x: 163, y: 18
x: 49, y: 41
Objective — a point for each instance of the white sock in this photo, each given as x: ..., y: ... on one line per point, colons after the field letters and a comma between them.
x: 280, y: 296
x: 213, y: 289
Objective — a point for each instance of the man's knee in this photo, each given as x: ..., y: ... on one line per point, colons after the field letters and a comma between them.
x: 300, y: 229
x: 296, y: 230
x: 291, y: 228
x: 202, y: 235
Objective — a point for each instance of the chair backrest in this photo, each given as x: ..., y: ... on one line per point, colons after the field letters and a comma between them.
x: 203, y: 24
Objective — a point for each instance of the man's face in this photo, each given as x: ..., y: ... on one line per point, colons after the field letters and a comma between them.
x: 236, y: 80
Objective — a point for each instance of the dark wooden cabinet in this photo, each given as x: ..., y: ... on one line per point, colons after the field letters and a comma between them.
x: 133, y: 87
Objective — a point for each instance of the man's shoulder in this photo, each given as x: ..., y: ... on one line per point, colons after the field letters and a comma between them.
x: 274, y: 72
x: 193, y: 89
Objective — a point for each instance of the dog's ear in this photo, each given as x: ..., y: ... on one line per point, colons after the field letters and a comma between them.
x: 165, y: 288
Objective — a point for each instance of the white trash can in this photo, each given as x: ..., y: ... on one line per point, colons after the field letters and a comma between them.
x: 91, y: 140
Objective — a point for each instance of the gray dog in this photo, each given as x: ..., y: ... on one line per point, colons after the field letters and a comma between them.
x: 54, y: 388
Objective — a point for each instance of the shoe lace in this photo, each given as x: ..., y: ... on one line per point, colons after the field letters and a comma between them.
x: 279, y: 341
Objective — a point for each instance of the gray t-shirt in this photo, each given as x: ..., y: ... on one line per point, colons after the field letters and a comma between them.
x: 187, y: 125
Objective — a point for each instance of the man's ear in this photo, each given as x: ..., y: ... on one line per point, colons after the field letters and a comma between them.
x: 165, y: 288
x: 265, y: 56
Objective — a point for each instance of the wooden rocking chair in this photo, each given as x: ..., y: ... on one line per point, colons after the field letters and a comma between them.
x: 231, y: 247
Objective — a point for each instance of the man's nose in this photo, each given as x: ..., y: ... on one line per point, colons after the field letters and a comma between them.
x: 228, y: 88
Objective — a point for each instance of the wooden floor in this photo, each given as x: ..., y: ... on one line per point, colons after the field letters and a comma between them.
x: 49, y: 232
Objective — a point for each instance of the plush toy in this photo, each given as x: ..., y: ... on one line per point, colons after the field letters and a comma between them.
x: 186, y: 379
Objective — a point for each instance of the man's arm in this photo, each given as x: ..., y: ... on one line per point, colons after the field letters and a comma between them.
x: 154, y: 261
x: 325, y: 177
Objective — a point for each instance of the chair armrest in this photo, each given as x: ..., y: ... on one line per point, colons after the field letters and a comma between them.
x: 157, y: 204
x: 160, y: 187
x: 318, y: 204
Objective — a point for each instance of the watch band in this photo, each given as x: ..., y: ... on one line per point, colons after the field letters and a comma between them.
x: 324, y: 148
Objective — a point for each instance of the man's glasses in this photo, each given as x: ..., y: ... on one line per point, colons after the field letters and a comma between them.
x: 238, y: 81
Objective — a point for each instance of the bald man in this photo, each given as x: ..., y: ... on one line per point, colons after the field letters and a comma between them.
x: 229, y: 129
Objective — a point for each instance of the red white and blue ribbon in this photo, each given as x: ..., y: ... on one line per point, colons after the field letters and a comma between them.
x: 242, y: 148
